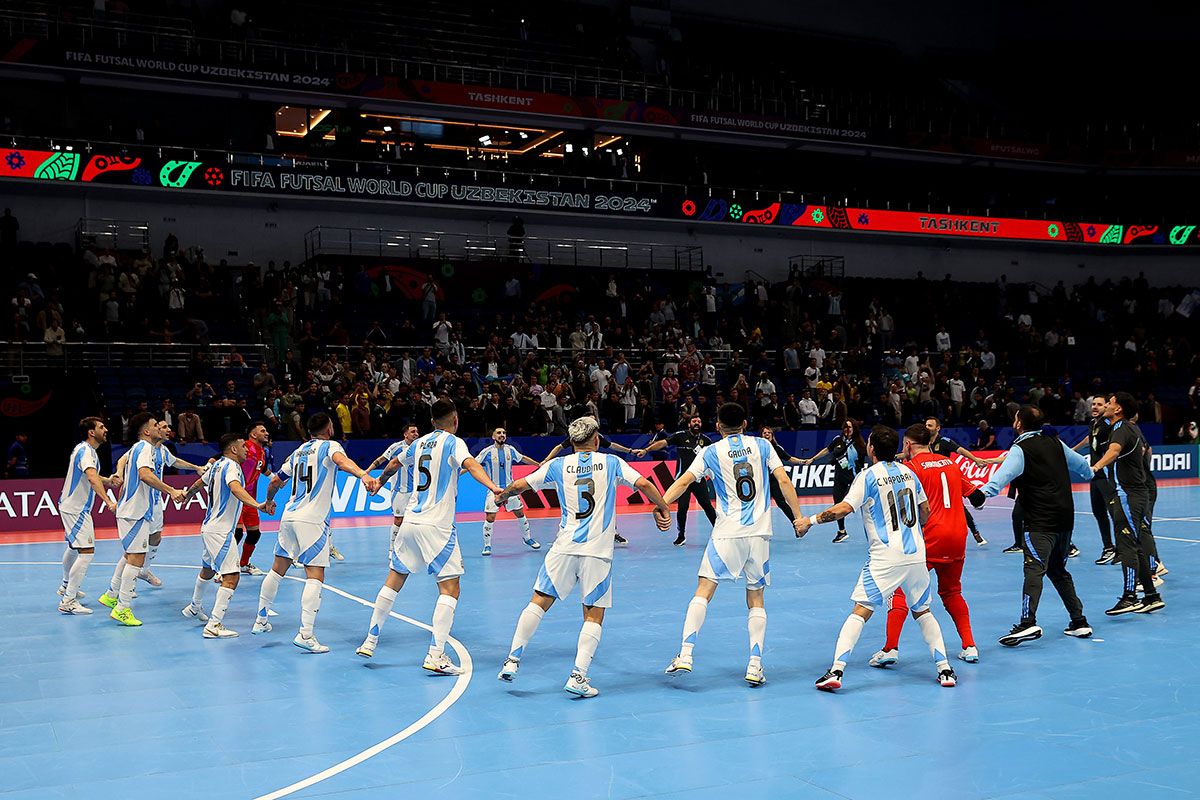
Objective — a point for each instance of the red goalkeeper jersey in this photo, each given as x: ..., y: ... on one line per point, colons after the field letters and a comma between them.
x: 946, y: 529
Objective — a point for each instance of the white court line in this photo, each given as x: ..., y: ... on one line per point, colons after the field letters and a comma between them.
x: 460, y: 686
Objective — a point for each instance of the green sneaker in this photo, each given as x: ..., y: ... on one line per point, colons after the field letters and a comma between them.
x: 108, y: 600
x: 125, y: 617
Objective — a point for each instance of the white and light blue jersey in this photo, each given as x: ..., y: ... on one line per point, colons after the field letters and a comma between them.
x: 436, y: 459
x: 890, y: 496
x: 312, y: 472
x: 224, y: 507
x: 498, y: 462
x: 137, y: 498
x: 77, y: 492
x: 740, y: 468
x: 402, y: 482
x: 163, y: 458
x: 586, y: 484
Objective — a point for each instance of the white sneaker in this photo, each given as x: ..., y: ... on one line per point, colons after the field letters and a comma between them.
x: 441, y: 664
x: 532, y: 543
x: 62, y: 591
x: 250, y: 569
x: 272, y: 612
x: 309, y: 643
x: 578, y: 684
x: 73, y: 607
x: 969, y: 655
x: 885, y: 658
x: 508, y: 672
x: 679, y: 663
x: 261, y: 626
x: 215, y: 630
x: 367, y: 648
x: 754, y: 674
x: 193, y: 611
x: 487, y: 548
x: 149, y: 577
x: 336, y: 554
x: 1160, y: 571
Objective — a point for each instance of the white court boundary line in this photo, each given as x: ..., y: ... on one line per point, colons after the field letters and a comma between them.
x: 456, y: 692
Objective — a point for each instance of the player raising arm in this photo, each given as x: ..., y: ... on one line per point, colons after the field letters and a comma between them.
x: 586, y: 482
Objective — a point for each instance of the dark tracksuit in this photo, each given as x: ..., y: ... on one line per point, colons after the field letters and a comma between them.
x: 1129, y: 504
x: 1041, y: 468
x: 687, y: 447
x: 776, y: 492
x: 847, y: 462
x: 1098, y: 434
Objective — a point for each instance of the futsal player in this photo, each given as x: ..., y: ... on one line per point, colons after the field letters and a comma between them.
x: 586, y: 482
x: 605, y: 444
x: 135, y: 513
x: 740, y: 468
x: 226, y: 499
x: 688, y: 444
x: 945, y: 534
x: 849, y: 455
x: 428, y: 541
x: 304, y: 527
x: 497, y: 460
x: 82, y: 484
x: 1129, y: 505
x: 894, y: 509
x: 394, y: 461
x: 1041, y: 467
x: 257, y: 462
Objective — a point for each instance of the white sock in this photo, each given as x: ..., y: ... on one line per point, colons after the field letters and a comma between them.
x: 525, y: 528
x: 383, y: 606
x: 79, y: 569
x: 693, y: 621
x: 267, y: 592
x: 443, y: 618
x: 395, y: 530
x: 852, y: 628
x: 310, y: 604
x: 487, y: 532
x: 757, y: 624
x: 68, y: 561
x: 221, y: 604
x: 589, y: 640
x: 198, y: 591
x: 114, y: 586
x: 933, y: 637
x: 527, y: 625
x: 151, y: 554
x: 128, y: 579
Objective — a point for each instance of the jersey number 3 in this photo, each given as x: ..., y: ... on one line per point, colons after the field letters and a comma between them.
x: 587, y: 494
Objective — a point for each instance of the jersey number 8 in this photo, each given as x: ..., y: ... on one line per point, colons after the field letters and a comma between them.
x: 743, y: 476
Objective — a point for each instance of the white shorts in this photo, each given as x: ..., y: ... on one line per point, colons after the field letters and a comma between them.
x: 511, y: 504
x: 80, y: 534
x: 305, y: 543
x: 221, y: 553
x: 135, y: 534
x: 156, y: 517
x: 746, y: 557
x: 878, y: 582
x: 426, y: 547
x: 400, y: 503
x: 560, y: 572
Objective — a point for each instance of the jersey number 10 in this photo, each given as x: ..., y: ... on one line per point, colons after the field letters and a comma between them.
x: 902, y: 508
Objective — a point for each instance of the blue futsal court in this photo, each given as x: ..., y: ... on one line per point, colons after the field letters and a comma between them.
x: 92, y: 710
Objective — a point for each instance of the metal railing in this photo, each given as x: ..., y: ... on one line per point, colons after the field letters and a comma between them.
x: 383, y: 242
x: 20, y: 356
x: 817, y: 266
x: 112, y: 234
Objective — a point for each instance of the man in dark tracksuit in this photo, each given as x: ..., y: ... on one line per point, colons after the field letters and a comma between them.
x: 688, y: 444
x: 1097, y: 442
x: 1042, y: 467
x: 1129, y: 505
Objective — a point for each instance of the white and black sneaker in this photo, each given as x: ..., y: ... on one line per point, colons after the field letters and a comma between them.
x: 1023, y: 631
x: 680, y: 540
x: 841, y: 537
x: 947, y: 678
x: 1151, y: 602
x: 1107, y: 556
x: 1127, y: 604
x: 1012, y: 548
x: 619, y: 539
x: 830, y: 681
x: 1073, y: 552
x: 1079, y: 628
